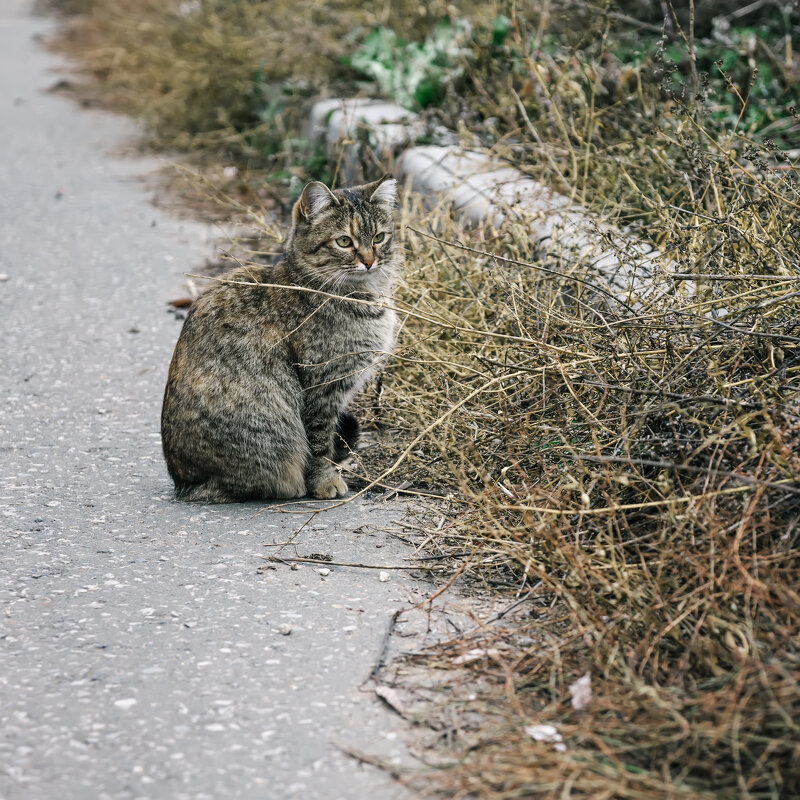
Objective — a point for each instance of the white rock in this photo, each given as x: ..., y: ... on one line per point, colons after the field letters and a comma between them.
x: 474, y: 655
x: 481, y: 188
x: 546, y: 733
x: 384, y: 576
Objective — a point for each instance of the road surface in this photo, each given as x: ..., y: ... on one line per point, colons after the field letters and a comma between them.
x: 140, y: 646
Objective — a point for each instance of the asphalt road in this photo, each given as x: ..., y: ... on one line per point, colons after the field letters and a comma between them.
x: 140, y: 652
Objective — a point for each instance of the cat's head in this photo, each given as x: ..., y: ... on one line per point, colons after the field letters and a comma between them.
x: 343, y: 240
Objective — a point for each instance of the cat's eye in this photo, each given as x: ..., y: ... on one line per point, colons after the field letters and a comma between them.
x: 344, y: 241
x: 379, y: 237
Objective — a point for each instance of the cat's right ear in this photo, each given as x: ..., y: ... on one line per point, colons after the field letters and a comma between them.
x: 315, y: 198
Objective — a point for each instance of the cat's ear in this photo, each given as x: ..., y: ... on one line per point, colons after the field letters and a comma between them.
x: 383, y: 191
x: 315, y: 199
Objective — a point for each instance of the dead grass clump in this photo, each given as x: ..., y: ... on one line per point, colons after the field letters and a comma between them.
x: 629, y: 465
x: 601, y: 105
x: 197, y: 74
x: 634, y: 465
x: 224, y: 76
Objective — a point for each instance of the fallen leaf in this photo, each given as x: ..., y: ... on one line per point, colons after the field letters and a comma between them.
x: 61, y: 86
x: 391, y: 698
x: 581, y: 691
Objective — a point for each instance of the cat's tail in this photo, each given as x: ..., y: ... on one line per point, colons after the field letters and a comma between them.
x: 346, y: 437
x: 206, y: 492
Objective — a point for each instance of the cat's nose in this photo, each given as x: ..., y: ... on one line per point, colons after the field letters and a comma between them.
x: 367, y: 261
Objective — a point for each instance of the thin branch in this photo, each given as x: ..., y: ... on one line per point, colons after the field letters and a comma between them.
x: 323, y: 563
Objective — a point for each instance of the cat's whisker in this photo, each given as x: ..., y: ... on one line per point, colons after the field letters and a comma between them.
x: 333, y: 278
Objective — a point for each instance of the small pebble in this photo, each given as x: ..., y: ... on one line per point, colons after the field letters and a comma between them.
x: 384, y: 576
x: 284, y: 629
x: 324, y: 571
x: 3, y: 276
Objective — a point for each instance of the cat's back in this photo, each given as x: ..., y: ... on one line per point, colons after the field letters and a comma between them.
x: 237, y: 312
x: 232, y: 333
x: 235, y: 296
x: 230, y: 377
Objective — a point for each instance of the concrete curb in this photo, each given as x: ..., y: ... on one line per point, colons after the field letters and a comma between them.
x: 368, y: 135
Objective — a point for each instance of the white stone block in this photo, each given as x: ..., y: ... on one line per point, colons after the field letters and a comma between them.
x: 481, y: 190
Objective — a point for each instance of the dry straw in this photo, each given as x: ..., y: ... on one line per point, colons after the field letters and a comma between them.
x: 642, y: 469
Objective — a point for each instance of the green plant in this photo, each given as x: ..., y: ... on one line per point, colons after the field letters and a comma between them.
x: 414, y: 74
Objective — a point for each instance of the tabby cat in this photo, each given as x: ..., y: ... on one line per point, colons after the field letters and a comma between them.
x: 256, y: 398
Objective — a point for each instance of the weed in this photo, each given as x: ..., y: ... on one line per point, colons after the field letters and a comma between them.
x: 416, y: 75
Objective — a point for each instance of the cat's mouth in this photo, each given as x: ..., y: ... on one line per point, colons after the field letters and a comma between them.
x: 361, y: 270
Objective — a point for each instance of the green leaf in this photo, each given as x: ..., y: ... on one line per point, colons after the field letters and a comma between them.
x: 414, y: 74
x: 500, y: 28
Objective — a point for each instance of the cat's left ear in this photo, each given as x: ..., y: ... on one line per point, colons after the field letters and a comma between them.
x: 315, y: 199
x: 383, y: 191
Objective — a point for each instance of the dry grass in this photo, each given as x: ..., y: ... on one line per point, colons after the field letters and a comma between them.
x: 629, y: 467
x: 232, y: 77
x: 636, y: 475
x: 196, y: 73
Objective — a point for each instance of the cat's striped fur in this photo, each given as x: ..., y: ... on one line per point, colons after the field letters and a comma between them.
x: 261, y: 376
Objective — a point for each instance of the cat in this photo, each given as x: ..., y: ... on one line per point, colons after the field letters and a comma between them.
x: 261, y: 377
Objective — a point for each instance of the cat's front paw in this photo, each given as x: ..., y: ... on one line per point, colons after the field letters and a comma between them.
x: 328, y: 487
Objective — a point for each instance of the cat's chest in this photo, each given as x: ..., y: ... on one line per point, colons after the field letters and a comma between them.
x: 355, y: 336
x: 347, y: 345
